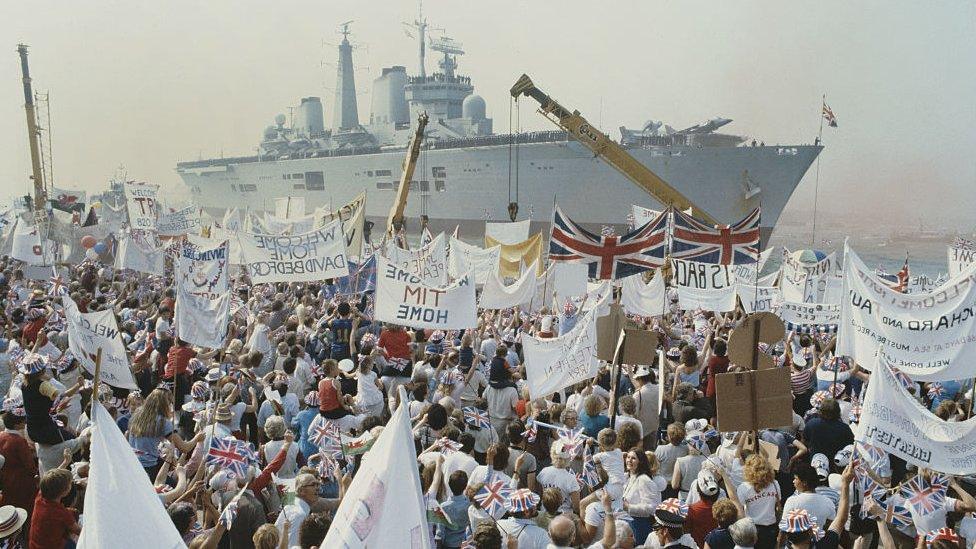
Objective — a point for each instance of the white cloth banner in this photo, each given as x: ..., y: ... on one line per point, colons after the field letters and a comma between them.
x: 89, y: 332
x: 202, y: 266
x: 384, y: 506
x: 543, y: 292
x: 234, y: 253
x: 300, y: 225
x: 508, y: 233
x: 483, y: 262
x: 929, y: 336
x: 706, y: 286
x: 307, y: 257
x: 959, y: 258
x: 806, y: 282
x: 179, y: 222
x: 809, y: 314
x: 122, y: 509
x: 496, y: 295
x: 429, y: 263
x: 556, y: 363
x: 290, y: 207
x: 353, y: 217
x: 201, y: 320
x: 27, y: 245
x: 746, y: 272
x: 232, y: 220
x: 404, y: 299
x: 642, y: 299
x: 570, y: 278
x: 642, y: 215
x: 758, y: 299
x: 598, y: 296
x: 141, y: 203
x: 894, y: 421
x: 137, y: 254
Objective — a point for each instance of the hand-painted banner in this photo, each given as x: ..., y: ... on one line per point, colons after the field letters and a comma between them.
x: 746, y: 272
x: 961, y: 255
x: 465, y: 257
x: 89, y: 332
x: 556, y: 363
x: 513, y: 256
x: 201, y: 320
x: 642, y: 299
x: 929, y: 336
x: 806, y: 282
x: 404, y: 299
x: 138, y: 253
x: 141, y: 203
x: 496, y: 295
x: 353, y: 217
x: 179, y: 222
x: 429, y: 263
x: 706, y: 286
x: 202, y: 267
x: 809, y: 314
x: 570, y: 278
x: 232, y: 220
x: 894, y: 421
x: 29, y: 247
x: 313, y: 256
x: 506, y: 233
x: 758, y: 299
x: 289, y: 207
x: 641, y: 216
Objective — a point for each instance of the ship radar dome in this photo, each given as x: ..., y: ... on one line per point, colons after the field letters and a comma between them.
x: 280, y: 120
x: 270, y: 133
x: 473, y: 107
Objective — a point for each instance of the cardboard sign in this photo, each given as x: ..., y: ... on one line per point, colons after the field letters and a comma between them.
x: 749, y: 401
x: 640, y: 346
x: 756, y: 328
x: 608, y: 331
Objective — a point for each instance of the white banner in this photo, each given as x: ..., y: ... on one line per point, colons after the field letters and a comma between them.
x: 642, y: 299
x: 353, y: 217
x: 201, y: 320
x: 202, y: 267
x: 232, y: 220
x: 290, y: 207
x: 235, y: 255
x: 960, y: 258
x: 809, y: 314
x: 27, y: 245
x: 758, y: 299
x: 276, y: 225
x: 806, y: 282
x: 141, y: 203
x: 89, y: 332
x: 706, y: 286
x: 543, y: 292
x: 508, y: 233
x: 313, y: 256
x: 137, y: 254
x: 179, y: 222
x: 929, y: 336
x: 556, y: 363
x: 429, y: 263
x: 496, y: 295
x: 465, y: 257
x: 746, y: 272
x: 570, y: 278
x: 404, y: 299
x: 894, y: 421
x: 642, y: 215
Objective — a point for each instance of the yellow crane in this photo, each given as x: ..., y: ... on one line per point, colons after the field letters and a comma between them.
x: 395, y: 220
x: 604, y: 147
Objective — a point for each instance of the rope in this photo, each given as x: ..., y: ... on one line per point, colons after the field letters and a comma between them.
x: 511, y: 137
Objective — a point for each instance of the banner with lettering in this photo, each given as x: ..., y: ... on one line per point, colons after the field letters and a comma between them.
x: 142, y: 205
x: 758, y: 299
x: 806, y: 281
x: 895, y: 422
x: 962, y: 253
x: 643, y: 299
x: 202, y: 266
x: 929, y: 336
x: 496, y: 295
x: 746, y: 272
x: 706, y: 286
x: 179, y: 222
x: 89, y: 332
x: 809, y: 314
x: 466, y: 257
x: 556, y: 363
x: 428, y: 263
x: 640, y: 216
x: 405, y: 300
x: 353, y: 217
x: 201, y: 320
x: 308, y: 257
x: 139, y: 253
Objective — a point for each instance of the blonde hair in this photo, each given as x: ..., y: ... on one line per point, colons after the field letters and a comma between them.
x: 653, y: 463
x: 267, y: 536
x: 593, y: 405
x: 148, y: 420
x: 758, y: 472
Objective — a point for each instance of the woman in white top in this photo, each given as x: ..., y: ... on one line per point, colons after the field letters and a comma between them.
x: 275, y: 429
x: 642, y: 492
x: 558, y: 476
x: 759, y: 496
x: 369, y: 389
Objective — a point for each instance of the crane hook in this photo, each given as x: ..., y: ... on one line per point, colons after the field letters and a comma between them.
x: 512, y: 210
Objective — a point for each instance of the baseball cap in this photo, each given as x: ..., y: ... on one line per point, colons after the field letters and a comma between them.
x: 821, y: 464
x: 843, y: 457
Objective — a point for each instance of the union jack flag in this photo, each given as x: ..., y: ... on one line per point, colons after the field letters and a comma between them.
x: 699, y: 442
x: 523, y: 500
x: 328, y: 467
x: 828, y: 115
x: 898, y: 281
x: 856, y: 410
x: 724, y: 244
x: 944, y: 534
x: 531, y: 431
x: 468, y: 542
x: 609, y: 256
x: 896, y: 514
x: 325, y: 434
x: 476, y: 418
x: 58, y: 287
x: 448, y: 446
x: 797, y: 520
x: 572, y: 439
x: 493, y: 497
x: 590, y: 476
x: 936, y: 390
x: 675, y: 506
x: 925, y: 496
x: 230, y: 453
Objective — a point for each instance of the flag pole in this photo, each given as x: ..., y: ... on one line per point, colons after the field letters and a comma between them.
x: 98, y: 374
x: 816, y: 187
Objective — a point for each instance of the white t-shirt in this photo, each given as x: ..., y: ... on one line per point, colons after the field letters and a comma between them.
x: 562, y: 479
x: 501, y: 402
x: 967, y: 529
x: 457, y: 461
x: 760, y: 506
x: 595, y: 515
x: 366, y: 390
x: 296, y: 513
x: 613, y: 463
x: 469, y: 390
x: 528, y: 534
x: 819, y: 506
x: 934, y: 520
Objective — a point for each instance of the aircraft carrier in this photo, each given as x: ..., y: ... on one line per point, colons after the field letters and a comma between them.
x: 467, y: 174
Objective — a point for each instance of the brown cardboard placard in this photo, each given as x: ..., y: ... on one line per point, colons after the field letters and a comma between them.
x: 749, y: 401
x: 608, y: 331
x: 640, y: 347
x: 743, y: 341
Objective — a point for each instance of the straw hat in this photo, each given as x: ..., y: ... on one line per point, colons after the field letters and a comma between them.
x: 223, y: 412
x: 11, y: 519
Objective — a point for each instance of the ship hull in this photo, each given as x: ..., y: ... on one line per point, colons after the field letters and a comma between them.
x: 468, y: 186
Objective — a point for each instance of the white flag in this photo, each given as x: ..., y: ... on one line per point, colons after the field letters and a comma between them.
x: 496, y: 295
x: 465, y: 257
x: 404, y: 299
x: 308, y: 257
x: 89, y: 332
x: 508, y: 233
x: 139, y: 255
x: 201, y: 320
x: 28, y: 246
x: 384, y: 505
x: 428, y: 263
x: 556, y: 363
x: 643, y: 299
x: 122, y: 508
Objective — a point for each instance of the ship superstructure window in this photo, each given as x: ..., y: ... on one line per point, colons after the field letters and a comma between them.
x: 298, y: 176
x: 422, y: 186
x: 369, y: 173
x: 248, y: 187
x: 314, y: 181
x: 439, y: 186
x: 438, y: 172
x: 383, y: 173
x: 298, y: 186
x: 384, y: 185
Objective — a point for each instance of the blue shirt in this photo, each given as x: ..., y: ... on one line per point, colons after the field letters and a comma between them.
x: 592, y: 425
x: 301, y: 423
x: 456, y: 509
x: 949, y: 390
x: 147, y: 448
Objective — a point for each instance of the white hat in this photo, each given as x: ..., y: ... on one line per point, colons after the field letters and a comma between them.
x: 11, y: 519
x: 821, y: 464
x: 728, y: 439
x: 347, y: 365
x: 558, y: 449
x: 843, y: 457
x: 707, y: 485
x: 546, y: 323
x: 696, y: 425
x: 642, y: 371
x: 799, y: 359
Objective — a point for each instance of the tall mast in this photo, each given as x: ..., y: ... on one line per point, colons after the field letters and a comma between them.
x: 421, y: 25
x: 32, y: 134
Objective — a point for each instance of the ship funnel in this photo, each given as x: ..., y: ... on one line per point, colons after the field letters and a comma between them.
x: 345, y: 114
x: 389, y: 102
x: 310, y: 122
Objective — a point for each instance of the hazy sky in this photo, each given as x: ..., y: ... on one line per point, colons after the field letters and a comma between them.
x: 146, y: 84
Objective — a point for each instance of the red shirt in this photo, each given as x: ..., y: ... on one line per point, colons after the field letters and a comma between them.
x: 51, y: 524
x: 328, y: 396
x: 716, y: 365
x: 33, y: 328
x: 177, y: 360
x: 18, y: 475
x: 396, y: 343
x: 700, y: 521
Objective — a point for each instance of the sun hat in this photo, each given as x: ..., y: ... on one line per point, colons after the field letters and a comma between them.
x: 346, y: 365
x: 11, y: 519
x: 707, y: 485
x: 522, y: 500
x: 797, y: 520
x: 199, y: 390
x: 843, y: 457
x: 31, y: 363
x: 223, y: 412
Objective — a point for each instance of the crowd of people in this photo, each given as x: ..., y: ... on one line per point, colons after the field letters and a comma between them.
x: 578, y: 472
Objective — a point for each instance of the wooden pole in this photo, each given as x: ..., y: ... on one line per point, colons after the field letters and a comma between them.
x: 98, y: 374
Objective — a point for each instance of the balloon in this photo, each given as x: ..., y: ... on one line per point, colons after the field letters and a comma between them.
x: 88, y: 241
x: 91, y: 254
x: 100, y: 248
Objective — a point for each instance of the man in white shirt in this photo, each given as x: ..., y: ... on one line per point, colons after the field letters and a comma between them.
x: 819, y: 506
x: 520, y: 524
x: 647, y: 411
x: 501, y: 406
